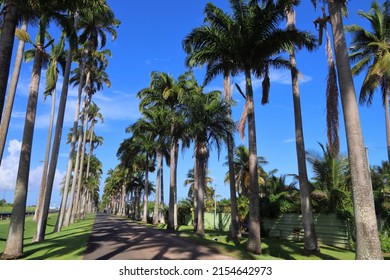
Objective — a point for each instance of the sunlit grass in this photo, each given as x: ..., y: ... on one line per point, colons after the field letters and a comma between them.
x: 69, y: 244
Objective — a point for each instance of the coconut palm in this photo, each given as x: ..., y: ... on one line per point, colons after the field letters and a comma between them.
x: 241, y: 170
x: 370, y: 50
x: 190, y: 183
x: 331, y: 176
x: 367, y: 238
x: 278, y: 196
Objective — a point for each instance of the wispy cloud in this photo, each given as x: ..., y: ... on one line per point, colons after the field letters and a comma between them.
x: 282, y: 77
x: 290, y: 140
x: 8, y: 172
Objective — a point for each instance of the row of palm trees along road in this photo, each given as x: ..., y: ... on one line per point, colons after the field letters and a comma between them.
x: 178, y: 112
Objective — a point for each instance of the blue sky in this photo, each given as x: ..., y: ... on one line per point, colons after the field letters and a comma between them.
x: 149, y: 39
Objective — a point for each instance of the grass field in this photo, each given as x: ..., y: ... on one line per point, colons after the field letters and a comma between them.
x: 272, y: 249
x: 69, y: 244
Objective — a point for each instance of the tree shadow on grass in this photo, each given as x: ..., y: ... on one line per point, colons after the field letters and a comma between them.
x: 286, y: 250
x: 57, y: 247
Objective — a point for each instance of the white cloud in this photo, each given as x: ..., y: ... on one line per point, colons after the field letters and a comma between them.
x: 117, y: 105
x: 276, y: 76
x: 290, y: 140
x: 10, y: 163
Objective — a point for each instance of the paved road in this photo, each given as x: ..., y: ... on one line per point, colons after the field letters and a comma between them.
x: 115, y: 238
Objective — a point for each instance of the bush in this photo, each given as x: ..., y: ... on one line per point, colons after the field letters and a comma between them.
x: 385, y: 242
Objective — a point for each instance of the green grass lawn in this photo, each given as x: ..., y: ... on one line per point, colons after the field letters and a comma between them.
x: 69, y: 244
x: 272, y: 249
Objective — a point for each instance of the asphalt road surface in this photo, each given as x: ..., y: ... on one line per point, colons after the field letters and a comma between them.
x: 116, y: 238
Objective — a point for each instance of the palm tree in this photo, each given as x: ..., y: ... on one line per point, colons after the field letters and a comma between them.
x: 94, y: 141
x: 331, y: 176
x: 93, y: 30
x: 241, y: 170
x: 367, y: 238
x: 310, y: 236
x: 165, y: 91
x: 208, y: 123
x: 255, y: 43
x: 190, y: 182
x: 155, y: 120
x: 14, y: 244
x: 10, y: 22
x: 208, y: 45
x: 144, y: 142
x: 56, y: 58
x: 75, y: 16
x: 6, y: 116
x: 370, y: 50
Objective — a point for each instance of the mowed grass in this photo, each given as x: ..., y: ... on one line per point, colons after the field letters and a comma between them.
x: 272, y: 249
x: 69, y: 244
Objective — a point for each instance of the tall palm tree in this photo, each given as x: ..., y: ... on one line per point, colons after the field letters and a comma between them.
x: 23, y: 37
x: 371, y: 51
x: 252, y: 30
x: 144, y: 142
x: 208, y: 45
x: 93, y: 116
x: 367, y: 238
x: 155, y: 120
x: 310, y: 236
x: 8, y: 28
x: 208, y: 123
x: 57, y: 57
x: 73, y: 39
x: 14, y: 244
x: 93, y: 28
x: 165, y: 91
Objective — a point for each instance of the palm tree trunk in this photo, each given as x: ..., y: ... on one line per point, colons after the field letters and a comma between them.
x: 158, y: 188
x: 254, y: 243
x: 146, y: 190
x: 84, y: 123
x: 367, y: 238
x: 162, y: 220
x: 201, y: 159
x: 235, y: 227
x: 91, y: 131
x: 14, y: 243
x: 196, y: 190
x: 73, y: 144
x: 6, y: 117
x: 57, y: 142
x: 42, y: 191
x: 310, y: 236
x: 387, y: 122
x: 172, y: 186
x: 7, y: 39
